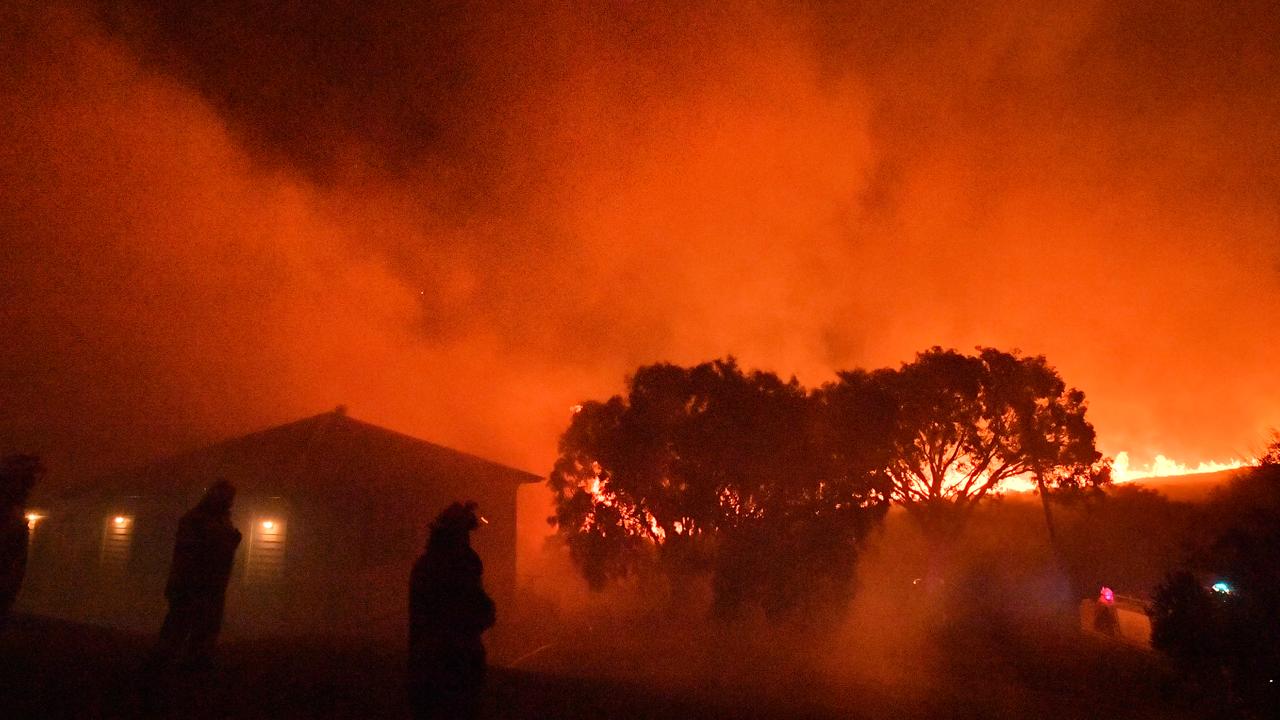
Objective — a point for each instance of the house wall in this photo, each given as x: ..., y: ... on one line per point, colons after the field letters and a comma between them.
x: 334, y: 568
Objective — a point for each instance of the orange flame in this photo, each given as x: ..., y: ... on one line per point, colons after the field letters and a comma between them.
x: 636, y: 520
x: 1123, y: 471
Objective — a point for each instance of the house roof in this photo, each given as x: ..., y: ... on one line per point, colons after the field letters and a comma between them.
x: 326, y: 450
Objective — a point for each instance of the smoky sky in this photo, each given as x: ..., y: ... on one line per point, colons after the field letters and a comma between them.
x: 460, y: 219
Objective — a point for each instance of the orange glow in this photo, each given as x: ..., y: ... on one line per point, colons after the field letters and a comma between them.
x: 33, y: 519
x: 636, y: 520
x: 268, y: 525
x: 120, y: 521
x: 737, y: 506
x: 1123, y: 471
x: 794, y: 190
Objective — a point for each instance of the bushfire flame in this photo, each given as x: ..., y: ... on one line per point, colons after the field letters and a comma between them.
x: 1123, y: 471
x: 636, y: 520
x: 639, y: 522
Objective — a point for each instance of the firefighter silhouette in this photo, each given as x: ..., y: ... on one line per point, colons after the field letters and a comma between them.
x: 1106, y: 619
x: 203, y: 551
x: 448, y: 611
x: 18, y: 474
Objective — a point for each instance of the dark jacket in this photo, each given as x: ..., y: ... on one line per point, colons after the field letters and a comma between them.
x: 13, y: 559
x: 203, y: 552
x: 448, y: 607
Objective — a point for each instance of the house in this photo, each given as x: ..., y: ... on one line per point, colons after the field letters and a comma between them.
x: 333, y: 512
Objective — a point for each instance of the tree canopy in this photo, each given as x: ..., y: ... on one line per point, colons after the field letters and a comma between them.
x: 770, y: 488
x: 710, y: 468
x: 957, y: 428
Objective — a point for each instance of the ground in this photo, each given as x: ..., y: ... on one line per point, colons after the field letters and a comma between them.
x: 54, y: 669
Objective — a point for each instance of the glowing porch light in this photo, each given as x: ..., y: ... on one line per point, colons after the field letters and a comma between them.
x: 33, y: 519
x: 264, y: 559
x: 117, y: 541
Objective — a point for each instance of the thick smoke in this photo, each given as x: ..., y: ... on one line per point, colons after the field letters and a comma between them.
x: 462, y: 221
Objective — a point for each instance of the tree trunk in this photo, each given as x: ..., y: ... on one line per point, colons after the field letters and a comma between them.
x: 1048, y: 516
x: 1059, y: 559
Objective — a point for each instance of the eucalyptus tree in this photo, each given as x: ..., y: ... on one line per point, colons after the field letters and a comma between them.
x: 958, y: 428
x: 713, y: 470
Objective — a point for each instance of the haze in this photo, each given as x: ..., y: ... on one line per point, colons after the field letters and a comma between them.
x: 460, y: 223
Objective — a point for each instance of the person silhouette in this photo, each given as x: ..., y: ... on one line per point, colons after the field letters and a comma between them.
x: 1106, y: 619
x: 448, y: 611
x: 18, y: 474
x: 203, y: 551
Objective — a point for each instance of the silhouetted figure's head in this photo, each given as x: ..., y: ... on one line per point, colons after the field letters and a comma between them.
x: 18, y: 474
x: 218, y: 498
x: 455, y: 522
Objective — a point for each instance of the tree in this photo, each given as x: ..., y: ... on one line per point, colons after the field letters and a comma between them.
x: 960, y: 426
x: 711, y: 469
x: 771, y: 488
